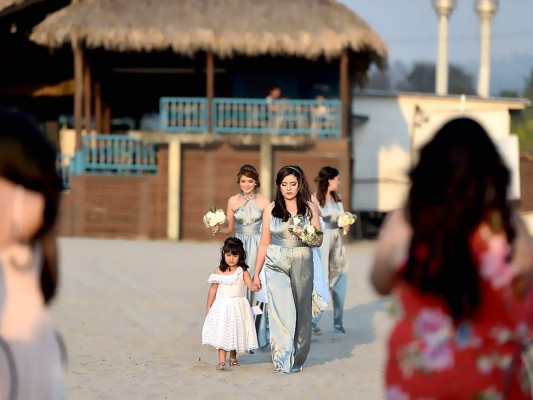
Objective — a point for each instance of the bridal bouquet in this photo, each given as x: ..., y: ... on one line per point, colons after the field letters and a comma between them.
x: 311, y: 235
x: 214, y: 217
x: 295, y: 222
x: 346, y: 219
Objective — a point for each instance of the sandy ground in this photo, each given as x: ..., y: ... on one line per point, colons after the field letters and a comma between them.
x: 131, y: 314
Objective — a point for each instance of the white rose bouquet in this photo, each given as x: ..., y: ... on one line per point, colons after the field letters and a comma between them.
x: 214, y: 217
x: 311, y: 235
x: 295, y: 222
x: 346, y: 219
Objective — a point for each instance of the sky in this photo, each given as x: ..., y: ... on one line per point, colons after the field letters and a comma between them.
x: 409, y: 28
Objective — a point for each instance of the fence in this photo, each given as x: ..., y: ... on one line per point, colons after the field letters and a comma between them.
x: 253, y: 116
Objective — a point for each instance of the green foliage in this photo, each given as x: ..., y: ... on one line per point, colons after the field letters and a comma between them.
x: 522, y: 122
x: 509, y: 94
x: 522, y: 126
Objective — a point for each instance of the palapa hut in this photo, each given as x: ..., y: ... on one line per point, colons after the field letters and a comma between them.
x: 130, y: 54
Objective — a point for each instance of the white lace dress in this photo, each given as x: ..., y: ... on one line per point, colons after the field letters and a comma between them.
x: 229, y: 325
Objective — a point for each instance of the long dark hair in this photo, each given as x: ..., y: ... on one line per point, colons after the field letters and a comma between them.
x: 234, y: 246
x: 302, y: 197
x: 460, y: 181
x: 27, y: 158
x: 322, y: 182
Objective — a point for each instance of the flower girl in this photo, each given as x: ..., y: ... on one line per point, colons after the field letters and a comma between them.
x: 229, y: 323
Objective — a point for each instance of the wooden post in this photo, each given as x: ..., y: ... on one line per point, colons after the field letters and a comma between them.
x: 344, y: 87
x: 106, y: 126
x: 78, y: 91
x: 265, y: 154
x: 174, y: 186
x: 98, y: 105
x: 210, y: 88
x: 87, y: 93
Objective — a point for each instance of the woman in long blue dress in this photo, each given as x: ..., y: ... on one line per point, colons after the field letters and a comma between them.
x: 288, y: 265
x: 244, y: 216
x: 332, y: 251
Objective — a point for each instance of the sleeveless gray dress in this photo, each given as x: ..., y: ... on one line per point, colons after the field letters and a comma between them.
x: 248, y: 218
x: 289, y: 274
x: 334, y: 261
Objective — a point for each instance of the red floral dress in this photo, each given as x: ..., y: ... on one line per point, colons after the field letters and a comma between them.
x: 431, y: 357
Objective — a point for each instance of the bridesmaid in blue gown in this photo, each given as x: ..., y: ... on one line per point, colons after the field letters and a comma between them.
x: 244, y: 215
x: 332, y: 251
x: 288, y: 265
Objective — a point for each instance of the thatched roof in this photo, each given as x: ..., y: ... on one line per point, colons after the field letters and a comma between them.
x: 306, y: 28
x: 8, y: 3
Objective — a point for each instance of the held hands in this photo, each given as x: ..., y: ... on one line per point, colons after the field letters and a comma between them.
x: 257, y: 283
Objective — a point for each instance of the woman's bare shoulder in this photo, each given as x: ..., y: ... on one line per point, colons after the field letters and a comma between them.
x: 262, y: 200
x: 313, y: 206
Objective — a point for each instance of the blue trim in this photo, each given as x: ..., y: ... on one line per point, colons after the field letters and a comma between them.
x: 183, y: 114
x: 253, y: 116
x: 64, y: 169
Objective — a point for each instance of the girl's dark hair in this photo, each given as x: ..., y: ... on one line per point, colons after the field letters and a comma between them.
x: 459, y: 182
x: 302, y: 197
x: 27, y: 158
x: 322, y: 182
x: 233, y: 245
x: 249, y: 171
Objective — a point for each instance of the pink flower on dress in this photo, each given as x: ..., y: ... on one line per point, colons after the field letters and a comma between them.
x: 432, y: 325
x: 395, y: 393
x: 494, y: 268
x: 439, y: 357
x: 434, y: 328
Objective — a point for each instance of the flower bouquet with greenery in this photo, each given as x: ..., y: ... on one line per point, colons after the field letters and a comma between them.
x: 345, y: 220
x: 214, y: 217
x: 311, y: 235
x: 295, y: 223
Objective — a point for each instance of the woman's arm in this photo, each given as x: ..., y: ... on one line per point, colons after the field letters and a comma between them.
x: 264, y: 242
x: 211, y: 296
x: 315, y: 221
x: 522, y: 258
x: 228, y: 226
x: 391, y: 251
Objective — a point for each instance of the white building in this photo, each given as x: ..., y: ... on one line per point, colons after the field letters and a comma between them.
x: 389, y: 128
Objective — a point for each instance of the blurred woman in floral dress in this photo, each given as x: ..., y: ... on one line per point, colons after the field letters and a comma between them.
x: 458, y: 259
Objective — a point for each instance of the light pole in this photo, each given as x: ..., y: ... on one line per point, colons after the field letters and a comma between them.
x: 485, y: 10
x: 444, y: 9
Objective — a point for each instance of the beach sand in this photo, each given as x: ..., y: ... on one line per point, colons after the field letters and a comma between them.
x: 131, y: 314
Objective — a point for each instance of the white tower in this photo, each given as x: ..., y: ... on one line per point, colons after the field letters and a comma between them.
x: 486, y: 10
x: 444, y: 9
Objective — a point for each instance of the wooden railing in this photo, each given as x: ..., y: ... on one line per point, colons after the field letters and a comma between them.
x: 321, y: 118
x: 63, y: 168
x: 114, y: 154
x: 179, y: 114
